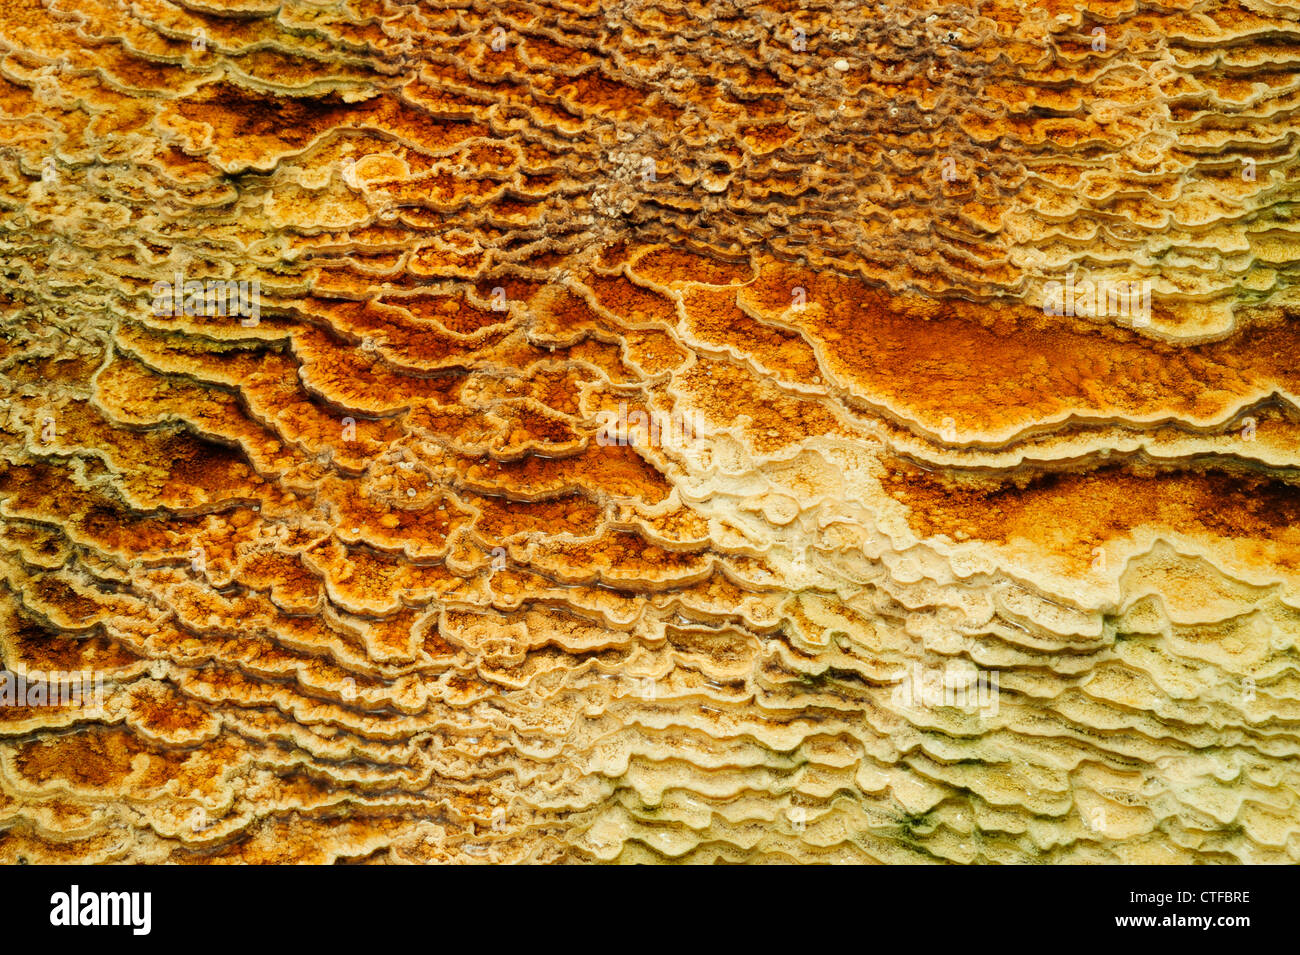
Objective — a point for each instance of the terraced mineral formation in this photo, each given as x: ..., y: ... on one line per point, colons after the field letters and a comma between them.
x: 650, y: 431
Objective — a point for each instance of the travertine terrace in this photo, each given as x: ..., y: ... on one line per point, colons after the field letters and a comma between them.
x: 363, y: 578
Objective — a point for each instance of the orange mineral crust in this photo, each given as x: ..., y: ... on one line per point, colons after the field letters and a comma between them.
x: 748, y: 432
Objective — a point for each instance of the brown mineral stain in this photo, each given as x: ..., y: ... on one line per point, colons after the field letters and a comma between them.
x: 1069, y: 514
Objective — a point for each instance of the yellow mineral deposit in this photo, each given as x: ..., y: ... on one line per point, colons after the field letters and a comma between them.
x: 951, y: 513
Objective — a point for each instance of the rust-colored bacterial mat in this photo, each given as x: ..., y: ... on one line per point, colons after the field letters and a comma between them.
x: 649, y: 431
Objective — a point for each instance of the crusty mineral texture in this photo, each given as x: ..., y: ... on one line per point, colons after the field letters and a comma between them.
x: 647, y: 431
